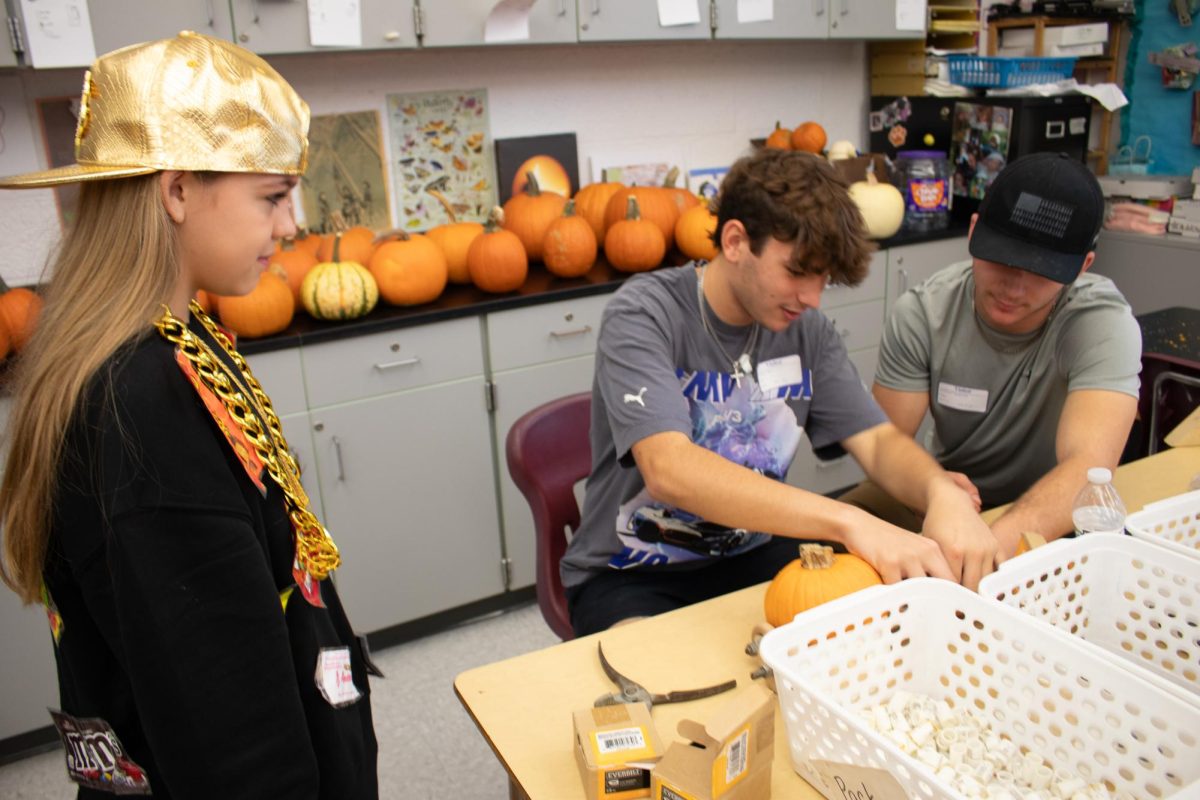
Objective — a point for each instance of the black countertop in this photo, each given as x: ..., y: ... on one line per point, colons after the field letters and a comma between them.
x: 463, y: 301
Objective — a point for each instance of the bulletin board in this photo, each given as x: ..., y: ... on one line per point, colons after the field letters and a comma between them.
x: 1162, y: 114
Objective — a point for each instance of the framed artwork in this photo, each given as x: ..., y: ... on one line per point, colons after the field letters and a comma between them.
x: 345, y: 172
x: 706, y: 181
x: 441, y: 148
x: 59, y: 117
x: 552, y: 159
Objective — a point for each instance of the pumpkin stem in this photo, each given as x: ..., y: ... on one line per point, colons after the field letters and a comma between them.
x: 672, y: 176
x: 441, y: 198
x: 337, y: 246
x: 816, y: 556
x: 631, y: 208
x: 569, y: 208
x: 287, y: 243
x: 495, y: 220
x: 531, y: 184
x: 3, y: 286
x: 394, y: 233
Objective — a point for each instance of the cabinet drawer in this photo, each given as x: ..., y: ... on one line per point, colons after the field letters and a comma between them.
x: 366, y: 366
x: 872, y: 287
x: 537, y: 334
x: 282, y: 377
x: 859, y: 325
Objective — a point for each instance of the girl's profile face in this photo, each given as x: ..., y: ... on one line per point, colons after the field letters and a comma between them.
x: 230, y: 227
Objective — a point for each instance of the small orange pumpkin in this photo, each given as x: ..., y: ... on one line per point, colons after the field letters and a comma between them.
x: 654, y: 205
x: 295, y: 261
x: 780, y: 138
x: 497, y: 259
x: 817, y: 576
x: 357, y: 245
x: 5, y: 340
x: 634, y: 244
x: 570, y: 246
x: 530, y: 213
x: 267, y: 309
x: 409, y: 268
x: 810, y: 137
x: 306, y: 240
x: 19, y: 308
x: 693, y: 233
x: 205, y: 301
x: 455, y: 239
x: 592, y: 200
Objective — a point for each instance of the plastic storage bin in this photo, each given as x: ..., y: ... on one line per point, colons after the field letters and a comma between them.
x: 1046, y: 691
x: 1002, y: 73
x: 1132, y: 599
x: 1173, y: 523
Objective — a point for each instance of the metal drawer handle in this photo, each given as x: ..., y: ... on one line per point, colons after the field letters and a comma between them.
x: 562, y: 8
x: 819, y: 8
x: 404, y: 362
x: 595, y: 7
x: 337, y: 451
x: 572, y: 332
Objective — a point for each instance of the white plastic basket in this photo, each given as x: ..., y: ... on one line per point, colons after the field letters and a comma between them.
x: 1047, y: 692
x: 1173, y: 523
x: 1132, y: 599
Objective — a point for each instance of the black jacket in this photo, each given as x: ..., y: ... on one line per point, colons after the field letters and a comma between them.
x: 166, y: 565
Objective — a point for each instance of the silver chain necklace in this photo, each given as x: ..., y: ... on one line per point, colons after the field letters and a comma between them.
x: 742, y: 365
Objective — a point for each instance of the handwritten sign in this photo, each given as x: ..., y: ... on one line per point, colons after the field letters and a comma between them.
x: 850, y: 782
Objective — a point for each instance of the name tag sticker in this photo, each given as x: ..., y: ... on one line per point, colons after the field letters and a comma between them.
x: 334, y: 678
x: 962, y: 398
x: 776, y: 372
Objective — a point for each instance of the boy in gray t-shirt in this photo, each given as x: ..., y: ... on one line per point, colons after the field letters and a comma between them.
x: 707, y: 379
x: 1028, y: 366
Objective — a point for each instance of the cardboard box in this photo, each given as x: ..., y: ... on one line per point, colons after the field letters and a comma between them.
x: 898, y: 64
x: 1186, y: 209
x: 615, y: 746
x: 728, y: 757
x: 1057, y: 34
x: 1077, y: 50
x: 896, y: 85
x: 1184, y: 227
x: 855, y: 169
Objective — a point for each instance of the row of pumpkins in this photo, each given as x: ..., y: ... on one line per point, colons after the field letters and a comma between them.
x: 342, y: 276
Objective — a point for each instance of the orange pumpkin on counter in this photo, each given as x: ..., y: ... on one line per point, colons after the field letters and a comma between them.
x: 570, y: 246
x: 591, y: 202
x: 357, y: 244
x: 409, y: 268
x: 817, y: 576
x: 634, y: 244
x: 19, y: 309
x: 693, y: 233
x: 268, y: 309
x: 780, y: 138
x: 530, y: 213
x: 454, y: 238
x: 295, y: 262
x: 497, y: 259
x: 810, y: 137
x: 654, y: 206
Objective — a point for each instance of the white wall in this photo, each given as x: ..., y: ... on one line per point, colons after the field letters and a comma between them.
x: 700, y: 101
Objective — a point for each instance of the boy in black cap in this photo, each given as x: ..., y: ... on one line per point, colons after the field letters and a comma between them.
x: 1028, y: 365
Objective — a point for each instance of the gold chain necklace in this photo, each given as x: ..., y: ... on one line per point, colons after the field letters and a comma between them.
x: 316, y: 554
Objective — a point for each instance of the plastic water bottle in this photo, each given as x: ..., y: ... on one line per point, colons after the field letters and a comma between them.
x: 1098, y: 508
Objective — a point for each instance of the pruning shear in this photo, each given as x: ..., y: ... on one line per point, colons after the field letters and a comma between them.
x: 632, y: 692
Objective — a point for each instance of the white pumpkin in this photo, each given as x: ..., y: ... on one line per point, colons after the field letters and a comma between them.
x: 840, y: 150
x: 881, y: 204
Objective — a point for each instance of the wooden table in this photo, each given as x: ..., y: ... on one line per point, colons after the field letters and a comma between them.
x: 523, y: 705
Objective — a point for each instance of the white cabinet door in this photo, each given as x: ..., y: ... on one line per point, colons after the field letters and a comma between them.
x: 519, y: 391
x: 8, y: 52
x: 297, y: 429
x: 281, y: 26
x: 462, y: 22
x: 910, y: 264
x: 116, y: 23
x: 631, y: 20
x: 867, y: 19
x: 792, y: 19
x: 410, y: 498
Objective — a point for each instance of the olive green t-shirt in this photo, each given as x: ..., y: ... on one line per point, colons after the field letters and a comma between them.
x: 996, y: 398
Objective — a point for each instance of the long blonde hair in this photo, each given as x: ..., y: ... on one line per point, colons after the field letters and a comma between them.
x: 111, y: 275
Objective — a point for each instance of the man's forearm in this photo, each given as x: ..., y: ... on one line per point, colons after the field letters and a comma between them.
x: 904, y: 469
x: 1045, y: 507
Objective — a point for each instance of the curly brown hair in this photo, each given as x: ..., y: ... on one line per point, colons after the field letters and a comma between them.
x: 797, y: 197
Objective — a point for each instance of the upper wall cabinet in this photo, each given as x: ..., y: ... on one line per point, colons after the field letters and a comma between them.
x: 631, y: 20
x: 867, y: 19
x: 8, y: 51
x: 790, y: 19
x: 446, y: 24
x: 117, y: 23
x: 282, y: 26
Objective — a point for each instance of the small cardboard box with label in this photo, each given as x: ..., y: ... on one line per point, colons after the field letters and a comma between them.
x: 615, y: 746
x: 729, y: 757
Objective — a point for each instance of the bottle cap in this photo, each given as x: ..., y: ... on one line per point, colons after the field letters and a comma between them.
x: 1099, y: 475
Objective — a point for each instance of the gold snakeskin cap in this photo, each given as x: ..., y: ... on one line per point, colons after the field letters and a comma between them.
x: 189, y: 103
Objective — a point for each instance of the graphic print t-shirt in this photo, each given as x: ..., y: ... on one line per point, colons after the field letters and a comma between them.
x: 658, y: 369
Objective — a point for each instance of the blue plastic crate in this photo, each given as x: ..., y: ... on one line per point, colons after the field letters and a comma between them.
x: 1003, y: 73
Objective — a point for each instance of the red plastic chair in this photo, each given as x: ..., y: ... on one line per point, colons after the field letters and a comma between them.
x: 548, y: 452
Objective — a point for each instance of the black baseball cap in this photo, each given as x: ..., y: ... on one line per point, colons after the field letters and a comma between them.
x: 1042, y: 213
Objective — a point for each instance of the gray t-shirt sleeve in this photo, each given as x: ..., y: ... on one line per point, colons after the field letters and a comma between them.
x: 635, y: 375
x: 841, y: 405
x: 1102, y: 349
x: 904, y: 353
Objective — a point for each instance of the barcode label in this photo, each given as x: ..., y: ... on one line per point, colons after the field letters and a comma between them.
x: 736, y: 763
x: 618, y: 740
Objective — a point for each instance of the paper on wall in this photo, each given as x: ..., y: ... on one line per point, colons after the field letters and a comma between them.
x: 508, y: 21
x: 910, y: 15
x: 59, y: 33
x: 678, y: 12
x: 755, y: 10
x: 335, y: 23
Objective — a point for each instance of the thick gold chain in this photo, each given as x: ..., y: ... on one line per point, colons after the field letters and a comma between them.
x: 316, y: 553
